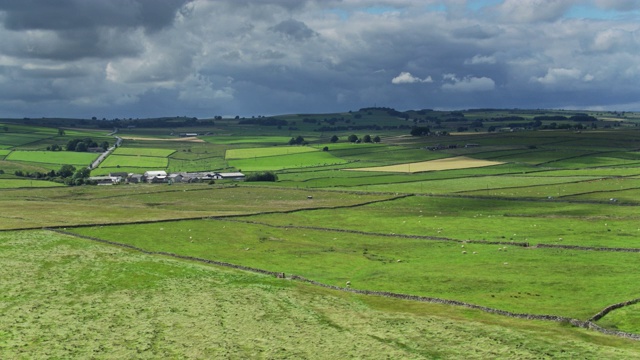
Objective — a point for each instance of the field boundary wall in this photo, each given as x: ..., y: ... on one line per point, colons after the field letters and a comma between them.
x: 561, y: 319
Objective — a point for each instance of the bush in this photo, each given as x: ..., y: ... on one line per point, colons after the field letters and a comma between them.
x: 262, y: 176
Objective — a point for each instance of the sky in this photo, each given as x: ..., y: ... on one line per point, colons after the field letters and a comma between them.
x: 205, y: 58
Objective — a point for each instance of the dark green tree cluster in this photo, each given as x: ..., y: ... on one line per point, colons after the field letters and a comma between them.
x: 82, y: 145
x: 262, y: 176
x: 420, y: 131
x: 299, y: 140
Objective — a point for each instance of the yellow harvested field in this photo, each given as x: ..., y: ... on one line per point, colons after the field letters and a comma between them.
x: 458, y: 162
x: 188, y: 139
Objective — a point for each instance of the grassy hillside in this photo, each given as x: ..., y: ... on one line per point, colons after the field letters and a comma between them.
x: 547, y: 224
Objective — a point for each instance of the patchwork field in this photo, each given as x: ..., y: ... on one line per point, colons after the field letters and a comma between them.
x: 532, y: 223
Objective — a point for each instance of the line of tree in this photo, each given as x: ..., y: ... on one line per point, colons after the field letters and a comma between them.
x: 264, y: 122
x: 67, y: 174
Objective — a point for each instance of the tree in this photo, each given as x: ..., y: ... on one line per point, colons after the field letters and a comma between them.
x: 66, y: 171
x: 334, y: 139
x: 352, y: 138
x: 60, y: 132
x: 82, y: 173
x: 420, y: 131
x: 367, y: 138
x: 326, y: 148
x: 376, y: 139
x: 81, y: 147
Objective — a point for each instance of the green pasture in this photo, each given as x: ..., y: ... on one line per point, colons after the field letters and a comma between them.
x: 596, y: 160
x: 251, y: 153
x: 143, y: 152
x: 462, y: 219
x: 387, y: 155
x: 202, y: 164
x: 15, y: 140
x: 338, y: 178
x: 234, y: 140
x: 488, y: 185
x: 53, y: 157
x: 74, y: 298
x: 26, y: 183
x: 10, y: 167
x: 623, y: 319
x: 514, y: 279
x: 302, y: 160
x: 143, y: 202
x: 603, y: 172
x: 629, y: 196
x: 4, y: 152
x: 600, y: 186
x: 115, y: 161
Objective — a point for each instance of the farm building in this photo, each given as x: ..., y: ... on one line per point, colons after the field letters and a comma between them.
x: 175, y: 178
x: 117, y: 177
x: 231, y: 176
x: 102, y: 180
x: 159, y: 176
x: 135, y: 178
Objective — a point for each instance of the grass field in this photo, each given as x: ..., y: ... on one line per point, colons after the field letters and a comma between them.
x: 53, y: 157
x: 143, y: 152
x: 251, y: 153
x: 291, y: 161
x: 449, y: 232
x: 228, y: 140
x: 515, y: 279
x: 69, y: 298
x: 151, y: 162
x: 25, y: 183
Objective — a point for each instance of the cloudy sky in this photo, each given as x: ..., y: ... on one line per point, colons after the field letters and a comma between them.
x: 145, y: 58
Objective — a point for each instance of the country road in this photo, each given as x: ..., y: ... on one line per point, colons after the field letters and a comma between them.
x: 104, y: 155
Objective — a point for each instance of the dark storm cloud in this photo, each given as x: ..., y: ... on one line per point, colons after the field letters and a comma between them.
x: 243, y: 57
x: 78, y: 14
x: 75, y: 29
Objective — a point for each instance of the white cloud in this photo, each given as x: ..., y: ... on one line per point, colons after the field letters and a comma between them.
x: 407, y: 78
x: 479, y: 59
x: 558, y: 75
x: 467, y: 84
